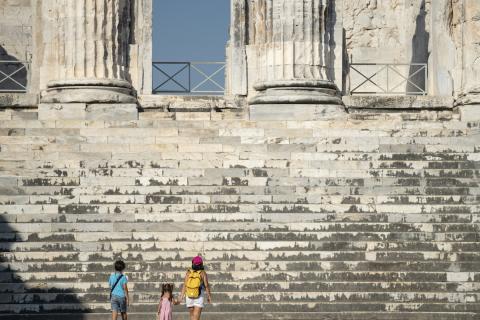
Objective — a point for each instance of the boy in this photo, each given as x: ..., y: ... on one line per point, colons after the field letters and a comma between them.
x: 118, y: 291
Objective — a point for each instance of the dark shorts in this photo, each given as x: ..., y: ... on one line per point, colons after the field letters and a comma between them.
x: 119, y: 304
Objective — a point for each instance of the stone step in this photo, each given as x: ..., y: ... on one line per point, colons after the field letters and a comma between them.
x: 240, y: 266
x: 279, y: 253
x: 152, y: 287
x: 116, y: 214
x: 255, y: 275
x: 276, y: 307
x: 182, y: 314
x: 149, y: 298
x: 164, y: 240
x: 369, y: 217
x: 289, y: 232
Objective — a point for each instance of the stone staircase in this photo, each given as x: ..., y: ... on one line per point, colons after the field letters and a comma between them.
x: 372, y: 216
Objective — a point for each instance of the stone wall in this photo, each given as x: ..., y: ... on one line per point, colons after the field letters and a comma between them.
x: 385, y: 31
x: 16, y: 30
x: 388, y: 32
x: 370, y: 216
x: 440, y: 33
x: 16, y: 42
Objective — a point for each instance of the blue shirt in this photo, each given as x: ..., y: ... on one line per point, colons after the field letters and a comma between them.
x: 118, y: 291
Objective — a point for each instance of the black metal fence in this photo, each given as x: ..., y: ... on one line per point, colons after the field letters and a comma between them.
x: 385, y: 79
x: 13, y: 76
x: 192, y: 77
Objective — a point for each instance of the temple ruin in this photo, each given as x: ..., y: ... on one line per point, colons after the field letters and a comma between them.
x: 337, y: 177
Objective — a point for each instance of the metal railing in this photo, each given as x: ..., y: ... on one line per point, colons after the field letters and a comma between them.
x: 13, y: 76
x: 393, y: 78
x: 189, y: 77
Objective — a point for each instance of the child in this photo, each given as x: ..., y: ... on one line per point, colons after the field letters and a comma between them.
x: 119, y: 291
x: 166, y: 302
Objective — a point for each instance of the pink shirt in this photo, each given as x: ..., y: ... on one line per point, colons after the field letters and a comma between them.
x: 165, y: 309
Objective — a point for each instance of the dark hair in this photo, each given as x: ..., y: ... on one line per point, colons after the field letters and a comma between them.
x: 167, y: 287
x: 119, y: 265
x: 198, y: 267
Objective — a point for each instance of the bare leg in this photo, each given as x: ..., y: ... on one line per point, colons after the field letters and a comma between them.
x: 197, y: 312
x: 124, y: 316
x: 192, y: 316
x: 114, y: 315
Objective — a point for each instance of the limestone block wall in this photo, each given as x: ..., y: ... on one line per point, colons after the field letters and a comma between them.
x: 471, y: 46
x: 16, y: 42
x: 370, y: 216
x: 379, y: 30
x: 391, y: 32
x: 16, y: 30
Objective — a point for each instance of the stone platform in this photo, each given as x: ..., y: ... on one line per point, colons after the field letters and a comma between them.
x: 367, y: 216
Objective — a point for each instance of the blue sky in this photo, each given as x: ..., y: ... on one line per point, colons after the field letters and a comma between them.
x: 185, y: 30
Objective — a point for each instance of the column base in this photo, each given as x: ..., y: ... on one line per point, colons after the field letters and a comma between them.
x: 469, y: 98
x: 296, y: 92
x: 89, y: 91
x: 296, y: 100
x: 469, y: 105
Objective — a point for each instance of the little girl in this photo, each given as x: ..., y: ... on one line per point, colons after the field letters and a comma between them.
x: 166, y: 302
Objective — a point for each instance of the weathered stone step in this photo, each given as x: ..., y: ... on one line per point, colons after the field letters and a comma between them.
x: 357, y: 276
x: 260, y: 253
x: 234, y: 266
x: 94, y: 286
x: 306, y: 200
x: 324, y: 169
x: 141, y: 286
x: 251, y: 297
x: 317, y: 223
x: 269, y: 307
x: 406, y: 230
x: 276, y: 135
x: 267, y: 224
x: 10, y: 186
x: 444, y: 222
x: 164, y: 240
x: 60, y: 238
x: 264, y: 315
x: 182, y: 314
x: 129, y: 195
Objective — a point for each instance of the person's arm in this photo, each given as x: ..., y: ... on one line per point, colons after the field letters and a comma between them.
x: 176, y: 301
x: 182, y: 294
x: 207, y: 286
x: 127, y: 297
x: 159, y: 306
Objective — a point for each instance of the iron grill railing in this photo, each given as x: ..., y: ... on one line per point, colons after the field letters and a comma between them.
x: 13, y: 76
x: 189, y: 77
x: 388, y: 79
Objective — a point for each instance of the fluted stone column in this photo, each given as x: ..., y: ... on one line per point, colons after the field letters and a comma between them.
x: 289, y: 52
x: 85, y: 51
x: 469, y: 100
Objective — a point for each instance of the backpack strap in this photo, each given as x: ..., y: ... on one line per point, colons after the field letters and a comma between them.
x: 115, y: 284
